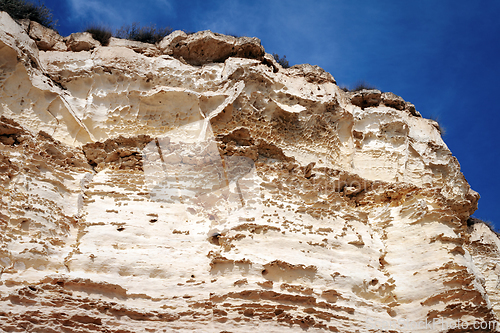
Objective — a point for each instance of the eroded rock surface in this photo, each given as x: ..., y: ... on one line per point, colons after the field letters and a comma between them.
x: 81, y: 41
x: 207, y: 47
x: 198, y: 186
x: 46, y: 39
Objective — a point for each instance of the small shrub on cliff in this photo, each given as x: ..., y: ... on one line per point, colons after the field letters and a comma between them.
x: 474, y: 220
x: 281, y: 60
x: 362, y: 85
x: 100, y: 33
x: 231, y: 34
x: 440, y: 127
x: 146, y: 34
x: 22, y: 9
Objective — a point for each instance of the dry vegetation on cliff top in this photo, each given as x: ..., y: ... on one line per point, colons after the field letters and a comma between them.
x: 21, y: 9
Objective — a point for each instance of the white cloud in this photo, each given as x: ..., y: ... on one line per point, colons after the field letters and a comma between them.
x: 97, y: 11
x: 116, y: 13
x: 165, y: 5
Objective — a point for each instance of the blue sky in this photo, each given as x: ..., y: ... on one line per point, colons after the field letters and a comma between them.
x: 443, y: 56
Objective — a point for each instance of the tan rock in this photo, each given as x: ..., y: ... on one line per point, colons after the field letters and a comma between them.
x: 149, y: 50
x: 46, y: 39
x: 206, y: 47
x: 366, y: 98
x: 81, y: 41
x: 308, y: 169
x: 171, y: 41
x: 25, y: 24
x: 143, y: 193
x: 16, y: 38
x: 312, y: 74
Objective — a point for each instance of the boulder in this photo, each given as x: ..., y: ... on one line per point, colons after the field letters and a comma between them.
x: 46, y: 39
x: 208, y: 47
x: 147, y: 49
x: 81, y: 41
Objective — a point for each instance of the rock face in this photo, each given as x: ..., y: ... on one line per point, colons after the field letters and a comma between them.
x: 195, y: 185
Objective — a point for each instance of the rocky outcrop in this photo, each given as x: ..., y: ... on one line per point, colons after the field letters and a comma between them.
x: 373, y: 98
x: 195, y: 185
x: 46, y: 39
x: 139, y: 47
x: 81, y: 41
x: 207, y: 47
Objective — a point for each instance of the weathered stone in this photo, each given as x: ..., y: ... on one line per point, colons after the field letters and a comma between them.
x: 81, y: 41
x: 46, y: 39
x: 25, y: 24
x: 16, y: 39
x: 394, y: 101
x: 312, y: 74
x: 147, y: 49
x: 168, y: 43
x: 206, y: 47
x: 366, y: 98
x: 143, y: 192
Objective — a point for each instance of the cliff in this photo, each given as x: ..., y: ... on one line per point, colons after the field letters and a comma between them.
x: 196, y: 185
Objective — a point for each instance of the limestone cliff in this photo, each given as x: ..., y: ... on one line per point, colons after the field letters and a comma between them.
x: 195, y: 185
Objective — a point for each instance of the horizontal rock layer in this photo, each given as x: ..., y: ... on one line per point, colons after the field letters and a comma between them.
x: 197, y: 185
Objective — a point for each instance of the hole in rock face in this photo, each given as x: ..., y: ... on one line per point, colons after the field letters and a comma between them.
x: 32, y: 288
x: 214, y: 239
x: 25, y: 225
x: 264, y: 272
x: 192, y: 276
x: 248, y: 312
x: 120, y: 228
x: 153, y: 220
